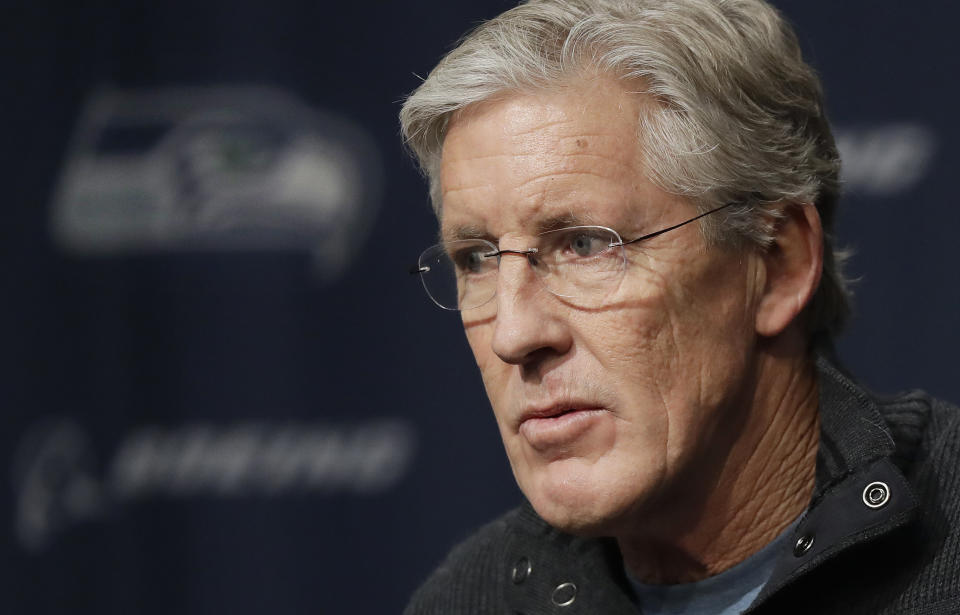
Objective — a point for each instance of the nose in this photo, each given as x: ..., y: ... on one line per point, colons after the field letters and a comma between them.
x: 529, y: 324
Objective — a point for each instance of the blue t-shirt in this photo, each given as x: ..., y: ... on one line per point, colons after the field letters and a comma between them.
x: 728, y: 593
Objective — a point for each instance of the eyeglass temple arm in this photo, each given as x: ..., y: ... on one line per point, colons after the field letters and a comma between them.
x: 670, y: 228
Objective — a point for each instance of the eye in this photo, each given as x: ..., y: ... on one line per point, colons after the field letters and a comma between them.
x: 585, y: 243
x: 472, y: 259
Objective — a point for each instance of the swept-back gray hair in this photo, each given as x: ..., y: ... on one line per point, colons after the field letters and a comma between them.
x: 739, y: 115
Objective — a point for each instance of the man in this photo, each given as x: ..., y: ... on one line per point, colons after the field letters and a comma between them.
x: 635, y: 200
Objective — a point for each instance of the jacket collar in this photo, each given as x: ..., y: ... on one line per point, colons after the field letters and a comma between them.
x: 859, y: 495
x: 852, y: 432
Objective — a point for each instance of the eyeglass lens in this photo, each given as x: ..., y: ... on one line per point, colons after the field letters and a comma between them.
x: 578, y: 263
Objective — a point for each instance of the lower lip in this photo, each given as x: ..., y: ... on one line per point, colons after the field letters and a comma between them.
x: 550, y: 432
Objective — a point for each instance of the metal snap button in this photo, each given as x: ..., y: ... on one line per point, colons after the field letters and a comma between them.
x: 521, y: 570
x: 876, y: 495
x: 803, y: 544
x: 564, y: 594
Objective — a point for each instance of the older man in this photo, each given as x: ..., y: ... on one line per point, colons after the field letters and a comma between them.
x: 635, y: 200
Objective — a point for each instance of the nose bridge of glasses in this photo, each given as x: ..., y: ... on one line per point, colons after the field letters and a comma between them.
x: 512, y: 278
x: 526, y: 252
x: 532, y: 256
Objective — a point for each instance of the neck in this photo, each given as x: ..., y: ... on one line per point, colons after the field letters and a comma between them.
x: 762, y: 480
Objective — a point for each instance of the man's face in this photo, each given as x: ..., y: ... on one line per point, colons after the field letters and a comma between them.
x: 604, y: 412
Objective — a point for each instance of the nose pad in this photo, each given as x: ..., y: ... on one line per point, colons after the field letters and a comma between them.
x: 541, y: 271
x: 533, y: 259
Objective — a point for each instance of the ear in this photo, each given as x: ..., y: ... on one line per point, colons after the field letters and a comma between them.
x: 793, y: 265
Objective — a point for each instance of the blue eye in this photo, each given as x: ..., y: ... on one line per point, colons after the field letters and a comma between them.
x: 587, y: 244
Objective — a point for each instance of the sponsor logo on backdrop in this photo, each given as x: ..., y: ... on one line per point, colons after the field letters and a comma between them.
x: 885, y: 159
x: 58, y: 484
x: 216, y: 168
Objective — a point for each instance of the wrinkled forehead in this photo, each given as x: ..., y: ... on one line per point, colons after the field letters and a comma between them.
x: 531, y: 162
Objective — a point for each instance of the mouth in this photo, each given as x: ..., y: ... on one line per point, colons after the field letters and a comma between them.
x: 558, y: 425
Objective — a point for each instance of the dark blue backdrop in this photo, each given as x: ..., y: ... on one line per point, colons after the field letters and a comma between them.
x: 222, y: 392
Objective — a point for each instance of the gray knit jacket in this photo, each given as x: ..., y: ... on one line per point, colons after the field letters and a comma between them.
x: 881, y: 534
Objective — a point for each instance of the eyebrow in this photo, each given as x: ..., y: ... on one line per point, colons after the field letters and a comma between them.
x: 560, y: 221
x: 466, y: 231
x: 553, y: 223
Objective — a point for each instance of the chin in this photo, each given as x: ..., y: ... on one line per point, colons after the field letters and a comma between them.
x: 580, y: 505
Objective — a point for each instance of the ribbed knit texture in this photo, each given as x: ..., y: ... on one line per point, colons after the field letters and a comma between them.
x: 460, y: 583
x: 937, y: 475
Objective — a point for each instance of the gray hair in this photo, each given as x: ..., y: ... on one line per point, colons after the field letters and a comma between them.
x: 739, y: 119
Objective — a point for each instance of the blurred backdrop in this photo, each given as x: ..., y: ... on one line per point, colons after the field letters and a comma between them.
x: 221, y: 390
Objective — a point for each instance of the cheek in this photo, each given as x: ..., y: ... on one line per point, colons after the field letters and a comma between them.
x: 493, y: 371
x: 705, y: 305
x: 632, y: 341
x: 478, y: 327
x: 714, y: 319
x: 674, y: 349
x: 478, y: 337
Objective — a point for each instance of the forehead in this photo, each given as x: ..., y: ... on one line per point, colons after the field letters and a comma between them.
x: 517, y: 163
